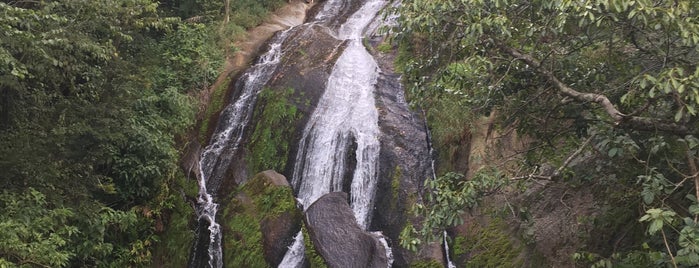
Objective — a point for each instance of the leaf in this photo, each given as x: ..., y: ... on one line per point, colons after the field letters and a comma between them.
x: 679, y: 114
x: 632, y: 13
x: 655, y: 226
x: 694, y: 209
x: 648, y: 197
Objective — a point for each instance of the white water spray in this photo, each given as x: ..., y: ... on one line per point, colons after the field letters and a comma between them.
x: 218, y: 155
x: 346, y: 115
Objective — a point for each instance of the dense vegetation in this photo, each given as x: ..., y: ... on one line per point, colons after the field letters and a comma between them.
x: 94, y: 95
x: 605, y: 91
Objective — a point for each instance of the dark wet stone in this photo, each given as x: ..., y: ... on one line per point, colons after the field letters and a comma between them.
x: 338, y: 238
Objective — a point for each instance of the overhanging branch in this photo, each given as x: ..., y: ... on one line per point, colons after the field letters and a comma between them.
x: 620, y: 119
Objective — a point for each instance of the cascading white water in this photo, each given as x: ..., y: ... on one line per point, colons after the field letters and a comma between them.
x: 215, y: 159
x: 346, y: 114
x: 389, y: 251
x: 450, y: 264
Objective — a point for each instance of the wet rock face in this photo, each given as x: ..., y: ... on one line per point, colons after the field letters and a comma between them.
x: 405, y: 160
x: 309, y: 56
x: 338, y: 238
x: 345, y: 8
x: 276, y: 235
x: 404, y: 164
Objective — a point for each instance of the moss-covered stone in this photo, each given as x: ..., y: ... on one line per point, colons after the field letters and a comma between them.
x: 395, y: 187
x: 274, y: 124
x: 210, y: 114
x: 257, y: 201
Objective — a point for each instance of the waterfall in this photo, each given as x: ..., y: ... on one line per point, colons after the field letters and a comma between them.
x: 345, y: 114
x: 450, y: 264
x: 346, y: 118
x: 216, y: 158
x: 445, y: 244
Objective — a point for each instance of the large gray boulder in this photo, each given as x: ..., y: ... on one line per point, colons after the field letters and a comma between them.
x: 338, y: 238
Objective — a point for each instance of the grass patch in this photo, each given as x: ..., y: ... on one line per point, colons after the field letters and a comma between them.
x: 487, y: 246
x: 249, y: 14
x: 385, y: 47
x: 426, y: 264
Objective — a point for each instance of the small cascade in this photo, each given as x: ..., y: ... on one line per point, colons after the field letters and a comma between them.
x: 217, y: 157
x: 330, y: 10
x: 445, y: 244
x: 450, y: 264
x: 389, y: 251
x: 345, y: 118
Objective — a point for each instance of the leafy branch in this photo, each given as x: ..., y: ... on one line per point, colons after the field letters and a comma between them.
x: 620, y: 119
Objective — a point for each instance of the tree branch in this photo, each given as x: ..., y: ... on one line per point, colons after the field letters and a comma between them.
x: 557, y: 173
x: 572, y: 156
x: 620, y: 119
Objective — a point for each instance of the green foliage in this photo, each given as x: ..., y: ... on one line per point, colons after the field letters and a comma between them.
x: 33, y: 232
x: 93, y: 96
x: 38, y: 233
x: 175, y: 242
x: 245, y: 248
x: 249, y: 14
x: 446, y: 198
x: 426, y: 264
x: 275, y: 120
x: 487, y: 246
x: 450, y: 124
x: 620, y: 73
x: 192, y: 60
x: 638, y: 258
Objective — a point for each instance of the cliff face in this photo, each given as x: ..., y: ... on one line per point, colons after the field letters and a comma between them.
x: 536, y: 222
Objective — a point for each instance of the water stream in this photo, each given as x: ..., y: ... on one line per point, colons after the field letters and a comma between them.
x: 344, y: 124
x: 445, y: 242
x: 217, y: 157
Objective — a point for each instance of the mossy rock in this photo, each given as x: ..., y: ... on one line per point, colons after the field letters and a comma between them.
x: 275, y: 120
x: 260, y: 222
